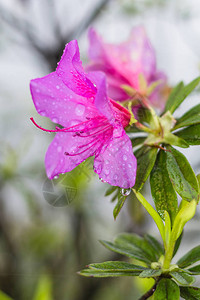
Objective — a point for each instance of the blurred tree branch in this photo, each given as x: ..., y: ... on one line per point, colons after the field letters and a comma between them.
x: 26, y: 29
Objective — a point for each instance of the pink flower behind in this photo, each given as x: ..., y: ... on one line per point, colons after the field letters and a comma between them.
x: 123, y: 64
x: 93, y: 125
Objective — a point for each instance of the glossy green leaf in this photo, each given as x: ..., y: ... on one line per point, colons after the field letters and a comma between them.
x: 3, y: 296
x: 117, y: 266
x: 195, y: 270
x: 190, y: 293
x: 189, y: 118
x: 179, y: 93
x: 150, y: 273
x: 145, y: 163
x: 167, y: 289
x: 181, y: 174
x: 190, y: 134
x: 173, y: 97
x: 174, y: 140
x: 131, y: 239
x: 137, y: 141
x: 102, y: 274
x: 189, y: 258
x: 182, y: 278
x: 153, y: 213
x: 155, y: 244
x: 198, y: 180
x: 127, y: 250
x: 186, y: 213
x: 44, y: 289
x: 110, y: 190
x: 162, y: 190
x: 119, y: 205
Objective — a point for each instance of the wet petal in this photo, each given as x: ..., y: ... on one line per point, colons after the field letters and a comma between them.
x: 128, y: 59
x: 116, y: 163
x: 53, y: 99
x: 71, y: 72
x: 101, y: 101
x: 57, y: 162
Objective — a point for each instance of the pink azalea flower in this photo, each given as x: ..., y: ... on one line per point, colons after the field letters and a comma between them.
x: 123, y: 64
x: 93, y: 124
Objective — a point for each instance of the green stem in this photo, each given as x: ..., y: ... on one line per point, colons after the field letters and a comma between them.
x: 143, y: 127
x: 168, y: 255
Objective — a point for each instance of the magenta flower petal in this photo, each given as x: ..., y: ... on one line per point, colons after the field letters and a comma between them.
x: 101, y: 101
x: 57, y: 161
x: 53, y: 99
x: 93, y: 123
x: 116, y: 163
x: 71, y: 72
x: 124, y: 63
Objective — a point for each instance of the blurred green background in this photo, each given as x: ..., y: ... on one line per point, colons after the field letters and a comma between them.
x: 49, y: 230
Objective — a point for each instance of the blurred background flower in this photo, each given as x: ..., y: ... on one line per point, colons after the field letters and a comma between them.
x: 50, y: 229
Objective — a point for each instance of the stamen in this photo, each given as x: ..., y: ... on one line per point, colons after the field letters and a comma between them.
x: 58, y: 129
x: 67, y: 153
x: 47, y: 130
x: 97, y: 132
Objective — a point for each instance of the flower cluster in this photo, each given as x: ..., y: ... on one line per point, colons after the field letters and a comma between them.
x: 91, y: 122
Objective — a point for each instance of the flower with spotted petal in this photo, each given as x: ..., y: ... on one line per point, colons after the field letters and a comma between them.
x: 92, y: 124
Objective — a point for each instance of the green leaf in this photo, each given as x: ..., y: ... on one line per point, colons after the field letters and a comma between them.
x: 4, y: 296
x: 191, y: 117
x: 118, y: 206
x: 167, y: 289
x: 44, y: 289
x: 110, y: 190
x: 145, y: 163
x: 181, y: 174
x: 162, y: 190
x: 127, y: 250
x: 190, y: 134
x: 117, y: 266
x: 155, y: 244
x: 101, y: 274
x: 173, y: 97
x: 137, y: 141
x: 189, y: 258
x: 131, y: 239
x: 182, y: 278
x: 153, y: 213
x: 179, y: 93
x: 190, y: 293
x: 195, y: 270
x: 150, y: 273
x: 186, y: 213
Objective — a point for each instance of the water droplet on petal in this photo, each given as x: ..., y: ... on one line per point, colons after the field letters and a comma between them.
x: 56, y: 177
x: 124, y: 157
x: 59, y: 149
x: 57, y: 87
x: 115, y: 177
x: 107, y: 172
x: 55, y: 120
x: 130, y: 166
x: 43, y: 113
x: 125, y: 192
x: 80, y: 109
